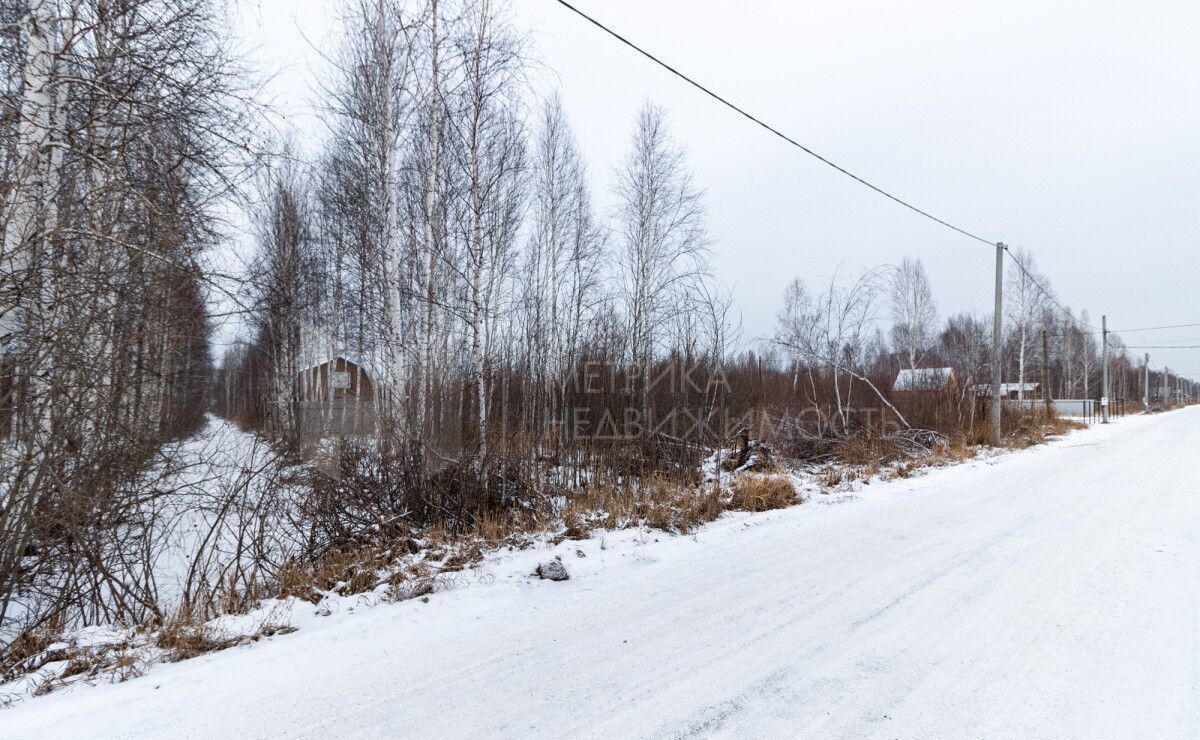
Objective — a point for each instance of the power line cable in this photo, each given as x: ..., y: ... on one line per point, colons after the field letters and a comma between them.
x: 824, y: 160
x: 1167, y: 346
x: 1138, y: 329
x: 754, y: 119
x: 1046, y: 292
x: 768, y: 127
x: 1153, y: 328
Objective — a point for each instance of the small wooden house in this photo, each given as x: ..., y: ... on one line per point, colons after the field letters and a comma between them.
x: 335, y: 397
x: 336, y: 378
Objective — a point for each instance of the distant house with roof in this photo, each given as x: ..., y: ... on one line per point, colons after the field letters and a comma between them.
x: 334, y: 391
x: 925, y: 381
x: 1012, y: 391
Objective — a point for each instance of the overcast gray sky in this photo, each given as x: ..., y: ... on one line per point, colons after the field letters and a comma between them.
x: 1070, y: 128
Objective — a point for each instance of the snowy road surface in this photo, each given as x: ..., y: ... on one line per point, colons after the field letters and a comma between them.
x: 1051, y: 594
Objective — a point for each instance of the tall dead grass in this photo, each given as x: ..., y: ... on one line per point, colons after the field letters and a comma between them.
x: 762, y: 493
x: 658, y: 503
x: 184, y: 636
x: 670, y: 506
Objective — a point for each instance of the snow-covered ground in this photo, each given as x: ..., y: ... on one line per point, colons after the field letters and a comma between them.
x: 195, y: 498
x: 1047, y: 593
x: 214, y: 477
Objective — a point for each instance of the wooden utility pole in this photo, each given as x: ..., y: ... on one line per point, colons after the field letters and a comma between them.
x: 996, y: 342
x: 1046, y: 372
x: 1104, y: 359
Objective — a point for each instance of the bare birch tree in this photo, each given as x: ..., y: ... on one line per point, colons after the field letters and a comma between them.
x: 490, y: 162
x: 914, y: 312
x: 561, y: 279
x: 1024, y: 302
x: 832, y: 330
x: 660, y: 222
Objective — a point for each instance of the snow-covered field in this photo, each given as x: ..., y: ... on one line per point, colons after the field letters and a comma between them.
x: 1052, y: 592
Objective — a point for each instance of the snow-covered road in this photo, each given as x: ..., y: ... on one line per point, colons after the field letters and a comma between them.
x: 1051, y: 593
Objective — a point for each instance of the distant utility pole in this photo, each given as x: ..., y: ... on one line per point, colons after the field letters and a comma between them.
x: 1104, y: 359
x: 1146, y: 384
x: 996, y: 327
x: 1046, y: 371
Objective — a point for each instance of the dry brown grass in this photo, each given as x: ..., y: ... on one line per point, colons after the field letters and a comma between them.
x: 27, y: 652
x: 32, y: 650
x: 867, y: 451
x: 672, y: 507
x: 295, y: 581
x: 958, y: 450
x: 907, y: 468
x: 658, y: 503
x: 346, y: 572
x: 411, y: 585
x: 762, y: 493
x: 510, y: 528
x: 597, y: 506
x: 469, y: 553
x: 1031, y: 430
x: 183, y: 636
x: 120, y: 664
x: 835, y: 476
x: 408, y: 569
